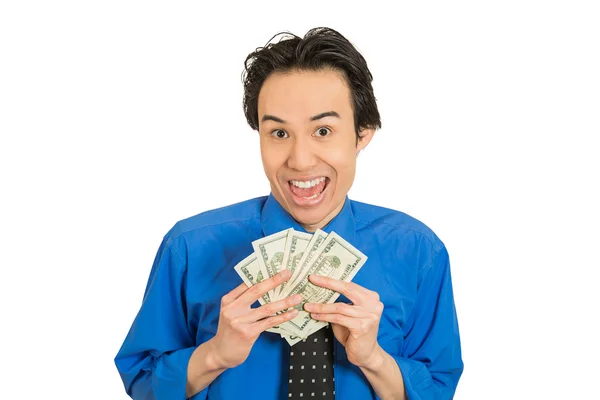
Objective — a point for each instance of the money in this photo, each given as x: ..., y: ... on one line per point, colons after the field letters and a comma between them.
x: 303, y: 254
x: 295, y: 245
x: 314, y: 244
x: 249, y: 270
x: 269, y: 253
x: 335, y: 258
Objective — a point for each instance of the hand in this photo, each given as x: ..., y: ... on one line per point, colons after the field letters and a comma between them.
x: 240, y: 325
x: 354, y: 325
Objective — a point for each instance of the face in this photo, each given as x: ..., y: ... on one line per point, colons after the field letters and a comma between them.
x: 308, y: 143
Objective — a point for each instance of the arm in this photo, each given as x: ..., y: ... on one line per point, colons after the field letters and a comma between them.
x: 159, y: 359
x: 238, y: 329
x: 431, y: 362
x: 202, y: 368
x: 153, y: 359
x: 385, y: 377
x: 355, y: 327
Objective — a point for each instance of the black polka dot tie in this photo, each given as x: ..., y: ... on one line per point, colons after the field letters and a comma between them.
x: 311, y: 367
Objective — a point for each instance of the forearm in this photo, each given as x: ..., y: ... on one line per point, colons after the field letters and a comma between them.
x: 202, y: 369
x: 384, y: 376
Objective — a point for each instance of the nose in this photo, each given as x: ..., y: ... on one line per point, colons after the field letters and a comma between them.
x: 302, y: 156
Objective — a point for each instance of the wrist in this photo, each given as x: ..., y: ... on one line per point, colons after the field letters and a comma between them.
x: 212, y: 359
x: 376, y: 360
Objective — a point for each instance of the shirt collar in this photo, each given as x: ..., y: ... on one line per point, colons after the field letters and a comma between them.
x: 275, y: 218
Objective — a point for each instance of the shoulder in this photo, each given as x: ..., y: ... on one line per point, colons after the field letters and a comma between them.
x: 217, y: 219
x: 393, y: 224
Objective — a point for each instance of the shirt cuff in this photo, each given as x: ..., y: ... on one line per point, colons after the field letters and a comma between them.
x: 414, y: 374
x: 169, y: 379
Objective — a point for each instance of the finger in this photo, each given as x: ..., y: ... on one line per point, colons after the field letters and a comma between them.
x: 275, y: 320
x: 258, y: 290
x: 349, y: 322
x: 352, y: 286
x: 234, y: 294
x: 357, y: 294
x: 272, y: 308
x: 337, y: 308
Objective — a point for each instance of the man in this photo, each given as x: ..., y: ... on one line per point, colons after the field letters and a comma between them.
x: 394, y: 331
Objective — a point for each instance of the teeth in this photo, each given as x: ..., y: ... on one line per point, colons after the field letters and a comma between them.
x: 307, y: 184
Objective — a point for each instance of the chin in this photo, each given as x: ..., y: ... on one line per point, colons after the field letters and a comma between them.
x: 312, y: 218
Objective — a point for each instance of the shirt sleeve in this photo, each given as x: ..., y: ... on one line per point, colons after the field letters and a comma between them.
x: 153, y: 359
x: 431, y: 362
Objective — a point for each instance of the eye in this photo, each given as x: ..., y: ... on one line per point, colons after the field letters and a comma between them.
x: 279, y: 134
x: 323, y: 132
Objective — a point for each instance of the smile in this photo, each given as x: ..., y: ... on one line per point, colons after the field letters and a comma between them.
x: 309, y: 192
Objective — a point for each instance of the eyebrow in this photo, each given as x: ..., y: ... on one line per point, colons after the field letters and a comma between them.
x: 268, y: 117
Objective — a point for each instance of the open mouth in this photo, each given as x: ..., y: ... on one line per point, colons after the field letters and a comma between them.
x: 308, y: 190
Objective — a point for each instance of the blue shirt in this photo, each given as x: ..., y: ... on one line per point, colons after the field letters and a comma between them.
x: 407, y: 265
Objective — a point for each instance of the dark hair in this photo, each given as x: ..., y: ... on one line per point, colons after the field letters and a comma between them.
x: 321, y: 48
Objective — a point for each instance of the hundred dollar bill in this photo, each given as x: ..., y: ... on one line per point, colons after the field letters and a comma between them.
x: 269, y: 253
x: 337, y: 259
x: 249, y: 270
x: 295, y: 245
x: 311, y: 250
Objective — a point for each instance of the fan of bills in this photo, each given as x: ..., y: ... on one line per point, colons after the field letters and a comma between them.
x: 304, y: 254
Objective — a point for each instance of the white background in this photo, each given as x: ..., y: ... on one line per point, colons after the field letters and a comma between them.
x: 119, y: 118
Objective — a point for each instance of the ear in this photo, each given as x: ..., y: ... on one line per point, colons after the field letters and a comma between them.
x: 364, y: 137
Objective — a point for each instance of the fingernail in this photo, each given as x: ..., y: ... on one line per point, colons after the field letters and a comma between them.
x: 297, y: 298
x: 308, y: 306
x: 285, y: 273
